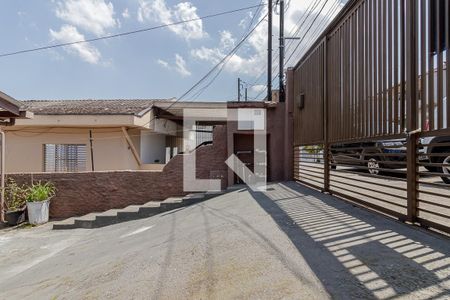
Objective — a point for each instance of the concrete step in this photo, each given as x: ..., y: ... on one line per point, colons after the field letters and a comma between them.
x: 132, y: 212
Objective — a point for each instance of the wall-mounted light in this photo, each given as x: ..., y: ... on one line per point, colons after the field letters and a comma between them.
x: 301, y: 101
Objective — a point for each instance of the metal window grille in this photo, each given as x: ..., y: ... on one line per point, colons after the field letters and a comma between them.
x: 203, y: 133
x: 64, y: 158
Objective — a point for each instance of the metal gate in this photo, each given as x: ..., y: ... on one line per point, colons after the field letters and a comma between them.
x: 371, y: 113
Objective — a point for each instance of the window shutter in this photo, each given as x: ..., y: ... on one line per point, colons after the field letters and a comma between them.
x: 64, y: 158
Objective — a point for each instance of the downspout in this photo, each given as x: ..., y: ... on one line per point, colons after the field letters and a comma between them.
x: 2, y: 196
x: 91, y: 139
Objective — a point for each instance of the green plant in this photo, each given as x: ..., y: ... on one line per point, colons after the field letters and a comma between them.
x: 40, y: 192
x: 15, y: 195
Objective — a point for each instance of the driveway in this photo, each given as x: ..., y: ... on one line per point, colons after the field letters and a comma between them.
x: 289, y: 242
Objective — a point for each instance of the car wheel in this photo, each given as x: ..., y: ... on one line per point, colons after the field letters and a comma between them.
x: 432, y: 169
x: 374, y: 166
x: 446, y: 170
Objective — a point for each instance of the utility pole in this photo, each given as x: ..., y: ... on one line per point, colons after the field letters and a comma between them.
x: 239, y: 90
x: 281, y: 75
x: 269, y: 52
x: 246, y: 98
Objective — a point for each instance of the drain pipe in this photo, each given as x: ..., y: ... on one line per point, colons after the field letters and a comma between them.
x: 2, y: 199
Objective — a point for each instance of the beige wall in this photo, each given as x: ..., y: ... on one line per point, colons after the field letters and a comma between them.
x: 24, y: 148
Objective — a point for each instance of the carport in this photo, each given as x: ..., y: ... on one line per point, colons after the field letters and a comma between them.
x: 370, y: 109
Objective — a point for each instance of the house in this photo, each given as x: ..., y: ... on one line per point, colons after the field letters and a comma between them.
x: 98, y: 135
x: 10, y: 110
x: 127, y: 152
x: 139, y: 134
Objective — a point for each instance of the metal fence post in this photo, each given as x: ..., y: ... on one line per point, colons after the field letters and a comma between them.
x: 326, y: 148
x: 411, y: 64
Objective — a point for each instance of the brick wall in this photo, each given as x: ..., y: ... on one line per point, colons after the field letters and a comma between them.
x: 83, y: 193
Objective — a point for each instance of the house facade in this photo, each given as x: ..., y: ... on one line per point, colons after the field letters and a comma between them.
x: 97, y: 135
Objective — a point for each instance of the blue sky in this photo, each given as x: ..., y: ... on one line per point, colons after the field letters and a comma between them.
x: 158, y: 64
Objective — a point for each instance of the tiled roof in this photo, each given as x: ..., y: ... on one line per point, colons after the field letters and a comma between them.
x: 91, y: 107
x: 176, y: 109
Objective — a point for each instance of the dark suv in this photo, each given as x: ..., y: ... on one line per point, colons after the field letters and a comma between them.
x: 436, y: 151
x: 372, y: 155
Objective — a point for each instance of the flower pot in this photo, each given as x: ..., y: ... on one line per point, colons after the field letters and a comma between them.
x: 38, y: 212
x: 15, y: 217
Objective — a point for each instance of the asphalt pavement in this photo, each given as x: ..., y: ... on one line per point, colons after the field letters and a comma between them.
x: 289, y: 242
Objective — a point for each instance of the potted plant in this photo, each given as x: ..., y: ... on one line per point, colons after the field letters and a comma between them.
x: 38, y: 202
x: 15, y: 200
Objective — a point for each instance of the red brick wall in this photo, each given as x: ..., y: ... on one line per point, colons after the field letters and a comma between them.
x: 277, y: 133
x: 83, y: 193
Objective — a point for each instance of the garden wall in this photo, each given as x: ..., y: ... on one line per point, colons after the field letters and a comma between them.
x: 83, y: 193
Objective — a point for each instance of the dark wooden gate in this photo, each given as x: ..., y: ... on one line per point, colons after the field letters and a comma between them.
x: 371, y: 113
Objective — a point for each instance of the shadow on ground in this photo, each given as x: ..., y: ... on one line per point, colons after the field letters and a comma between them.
x: 356, y: 253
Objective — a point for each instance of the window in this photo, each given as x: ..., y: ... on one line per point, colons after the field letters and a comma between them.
x: 64, y: 158
x: 203, y: 134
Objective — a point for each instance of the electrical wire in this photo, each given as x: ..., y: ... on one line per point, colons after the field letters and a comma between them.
x: 229, y: 57
x: 130, y: 32
x: 212, y: 70
x: 307, y: 31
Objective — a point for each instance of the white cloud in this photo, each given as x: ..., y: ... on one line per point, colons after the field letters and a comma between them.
x: 227, y: 41
x: 163, y: 63
x: 85, y: 51
x: 126, y: 13
x: 258, y: 88
x: 245, y: 21
x: 157, y: 11
x: 94, y: 16
x: 179, y: 65
x: 251, y: 59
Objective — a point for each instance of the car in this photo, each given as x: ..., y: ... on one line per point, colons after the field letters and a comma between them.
x: 436, y: 150
x: 373, y: 156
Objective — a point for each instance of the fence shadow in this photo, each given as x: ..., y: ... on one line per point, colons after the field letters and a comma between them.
x: 356, y: 253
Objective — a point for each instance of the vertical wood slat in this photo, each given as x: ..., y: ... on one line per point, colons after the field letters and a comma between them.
x: 431, y: 90
x: 372, y: 69
x: 423, y: 56
x: 367, y: 69
x: 384, y: 69
x: 377, y: 28
x: 402, y: 63
x: 389, y: 69
x: 354, y: 49
x: 439, y: 69
x: 361, y: 70
x: 396, y: 68
x: 447, y: 31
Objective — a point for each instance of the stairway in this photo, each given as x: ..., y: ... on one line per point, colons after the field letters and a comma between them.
x: 132, y: 212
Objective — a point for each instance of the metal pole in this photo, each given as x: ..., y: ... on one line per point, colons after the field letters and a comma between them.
x: 246, y: 98
x: 92, y: 150
x: 2, y: 206
x: 411, y: 108
x: 239, y: 90
x: 326, y: 150
x: 281, y: 75
x: 269, y: 52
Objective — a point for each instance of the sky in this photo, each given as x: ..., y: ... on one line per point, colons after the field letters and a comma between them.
x: 162, y: 63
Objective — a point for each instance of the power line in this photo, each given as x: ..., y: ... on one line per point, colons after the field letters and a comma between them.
x: 213, y: 69
x: 229, y: 57
x: 131, y: 32
x: 312, y: 6
x: 307, y: 31
x: 319, y: 28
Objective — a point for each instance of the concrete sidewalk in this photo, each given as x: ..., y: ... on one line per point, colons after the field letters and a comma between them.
x: 289, y: 242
